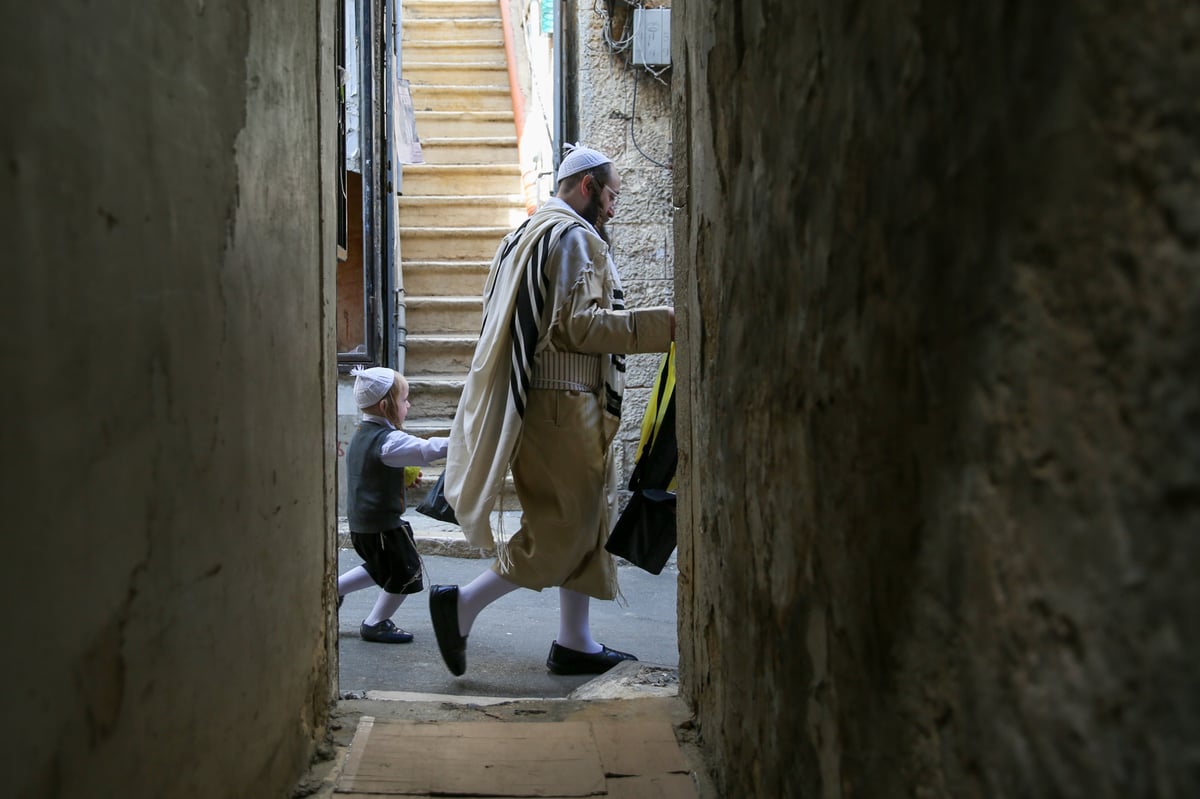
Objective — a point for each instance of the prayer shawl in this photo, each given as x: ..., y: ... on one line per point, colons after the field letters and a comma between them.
x: 487, y: 425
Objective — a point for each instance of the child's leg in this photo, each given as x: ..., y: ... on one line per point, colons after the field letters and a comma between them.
x: 385, y: 606
x: 354, y: 580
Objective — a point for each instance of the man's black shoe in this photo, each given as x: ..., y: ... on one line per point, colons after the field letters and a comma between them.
x: 384, y: 633
x: 572, y: 661
x: 443, y: 612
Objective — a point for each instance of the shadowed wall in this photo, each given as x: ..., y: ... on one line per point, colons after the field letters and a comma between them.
x: 168, y: 478
x: 939, y: 408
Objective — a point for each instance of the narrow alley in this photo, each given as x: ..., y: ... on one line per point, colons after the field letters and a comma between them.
x: 932, y: 276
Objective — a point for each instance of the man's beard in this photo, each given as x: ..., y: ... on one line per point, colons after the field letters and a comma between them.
x: 594, y: 214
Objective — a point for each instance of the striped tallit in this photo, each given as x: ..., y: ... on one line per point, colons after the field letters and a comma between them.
x: 487, y: 424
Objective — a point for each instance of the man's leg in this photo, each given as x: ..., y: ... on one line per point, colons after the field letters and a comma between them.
x: 453, y: 609
x: 575, y: 651
x: 477, y: 595
x: 574, y: 625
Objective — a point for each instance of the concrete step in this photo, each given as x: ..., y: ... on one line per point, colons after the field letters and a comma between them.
x: 451, y: 9
x: 461, y: 98
x: 435, y: 394
x: 437, y: 315
x: 439, y: 353
x: 476, y: 150
x: 445, y: 278
x: 442, y: 538
x: 472, y: 52
x: 447, y: 179
x: 419, y: 29
x: 464, y: 124
x: 421, y: 73
x: 427, y: 427
x: 495, y: 210
x: 450, y: 243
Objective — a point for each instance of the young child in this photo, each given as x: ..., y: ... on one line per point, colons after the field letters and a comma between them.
x: 375, y: 465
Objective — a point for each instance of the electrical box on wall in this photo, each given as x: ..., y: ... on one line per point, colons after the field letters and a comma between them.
x: 652, y: 36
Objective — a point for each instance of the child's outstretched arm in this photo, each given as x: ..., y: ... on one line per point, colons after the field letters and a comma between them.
x: 402, y: 449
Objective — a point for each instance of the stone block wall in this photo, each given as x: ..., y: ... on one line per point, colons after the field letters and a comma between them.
x: 643, y: 241
x: 939, y: 283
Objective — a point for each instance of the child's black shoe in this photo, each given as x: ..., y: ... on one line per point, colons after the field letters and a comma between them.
x: 384, y: 633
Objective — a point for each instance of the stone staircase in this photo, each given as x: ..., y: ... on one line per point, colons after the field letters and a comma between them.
x: 459, y: 204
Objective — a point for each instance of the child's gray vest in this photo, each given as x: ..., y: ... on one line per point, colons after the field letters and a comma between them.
x: 374, y: 490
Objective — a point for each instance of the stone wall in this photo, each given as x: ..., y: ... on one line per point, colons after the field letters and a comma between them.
x: 641, y: 232
x: 940, y: 419
x: 168, y: 476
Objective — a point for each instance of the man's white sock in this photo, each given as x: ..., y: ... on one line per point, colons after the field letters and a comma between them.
x: 574, y: 625
x: 477, y: 595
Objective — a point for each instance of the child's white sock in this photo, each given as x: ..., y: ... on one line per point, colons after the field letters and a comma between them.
x: 354, y: 580
x: 477, y: 595
x: 385, y: 606
x: 574, y: 626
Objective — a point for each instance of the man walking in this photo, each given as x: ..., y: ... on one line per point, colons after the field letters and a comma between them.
x: 544, y: 397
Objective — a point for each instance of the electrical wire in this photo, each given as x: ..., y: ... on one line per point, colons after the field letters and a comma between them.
x: 600, y: 9
x: 633, y: 119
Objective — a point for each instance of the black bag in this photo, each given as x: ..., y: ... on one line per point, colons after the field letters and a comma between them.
x: 645, y: 533
x: 435, y: 505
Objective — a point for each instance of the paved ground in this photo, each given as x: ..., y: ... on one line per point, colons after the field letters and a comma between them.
x: 506, y: 653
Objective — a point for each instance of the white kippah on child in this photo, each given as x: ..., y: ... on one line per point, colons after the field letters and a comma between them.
x: 579, y: 159
x: 371, y: 385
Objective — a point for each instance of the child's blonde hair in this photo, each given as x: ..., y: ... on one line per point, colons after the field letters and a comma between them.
x: 390, y: 403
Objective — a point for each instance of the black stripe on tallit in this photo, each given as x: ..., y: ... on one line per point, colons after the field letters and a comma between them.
x: 513, y: 241
x: 523, y: 327
x: 612, y: 401
x: 618, y: 362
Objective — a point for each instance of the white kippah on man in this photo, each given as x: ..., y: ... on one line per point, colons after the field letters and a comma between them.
x: 580, y: 159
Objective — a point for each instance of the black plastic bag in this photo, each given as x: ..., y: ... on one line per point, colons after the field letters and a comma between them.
x: 435, y: 505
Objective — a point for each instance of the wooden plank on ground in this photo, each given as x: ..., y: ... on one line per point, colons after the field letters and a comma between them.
x: 655, y: 786
x: 629, y: 748
x: 556, y: 759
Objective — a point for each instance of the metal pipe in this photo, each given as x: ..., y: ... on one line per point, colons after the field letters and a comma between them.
x: 368, y: 142
x: 559, y: 80
x: 398, y: 331
x: 514, y: 79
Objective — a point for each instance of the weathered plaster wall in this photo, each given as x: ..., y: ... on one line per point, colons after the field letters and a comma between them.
x: 168, y: 482
x: 641, y: 233
x: 940, y: 415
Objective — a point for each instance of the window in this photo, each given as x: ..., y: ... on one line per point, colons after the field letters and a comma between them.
x: 366, y: 327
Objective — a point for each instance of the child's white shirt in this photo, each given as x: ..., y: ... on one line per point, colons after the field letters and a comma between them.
x: 403, y: 449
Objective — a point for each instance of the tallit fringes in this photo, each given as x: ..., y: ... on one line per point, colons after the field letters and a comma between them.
x: 500, y: 536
